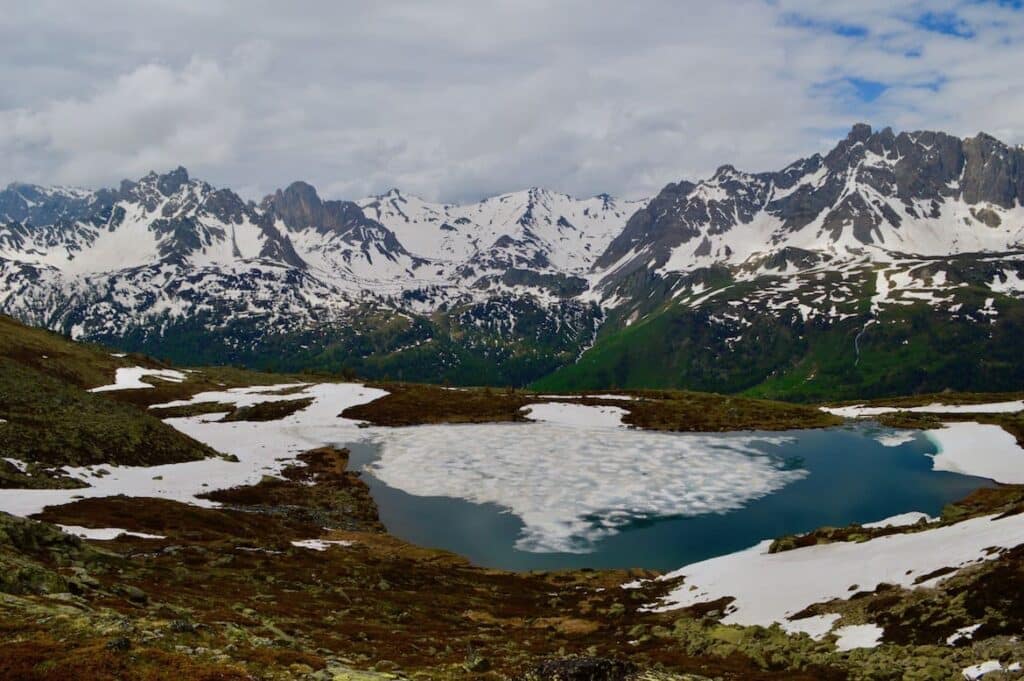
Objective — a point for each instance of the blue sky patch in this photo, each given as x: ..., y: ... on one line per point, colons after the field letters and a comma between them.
x: 867, y: 90
x: 947, y: 23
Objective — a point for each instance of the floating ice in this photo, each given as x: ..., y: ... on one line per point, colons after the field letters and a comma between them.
x: 571, y: 486
x: 979, y: 449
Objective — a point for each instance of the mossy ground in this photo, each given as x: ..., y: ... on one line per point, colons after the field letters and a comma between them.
x: 226, y: 595
x: 409, y: 404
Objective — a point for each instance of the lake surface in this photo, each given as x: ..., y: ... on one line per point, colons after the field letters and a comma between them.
x: 850, y: 476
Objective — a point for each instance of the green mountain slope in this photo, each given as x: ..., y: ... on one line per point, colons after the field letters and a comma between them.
x: 743, y: 339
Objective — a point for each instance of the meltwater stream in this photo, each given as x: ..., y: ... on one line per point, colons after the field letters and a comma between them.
x: 826, y: 477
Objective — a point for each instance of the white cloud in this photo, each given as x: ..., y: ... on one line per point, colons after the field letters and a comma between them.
x: 142, y: 120
x: 454, y: 99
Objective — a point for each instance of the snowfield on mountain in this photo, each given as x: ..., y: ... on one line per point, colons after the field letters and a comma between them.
x: 892, y: 264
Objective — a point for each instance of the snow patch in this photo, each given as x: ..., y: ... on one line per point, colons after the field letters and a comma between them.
x: 901, y: 520
x: 262, y: 448
x: 770, y: 587
x: 321, y: 544
x: 130, y: 378
x: 105, y: 533
x: 862, y: 411
x: 858, y: 636
x: 578, y: 415
x: 963, y: 633
x: 816, y: 626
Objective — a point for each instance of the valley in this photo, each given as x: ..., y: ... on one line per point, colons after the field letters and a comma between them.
x: 275, y: 551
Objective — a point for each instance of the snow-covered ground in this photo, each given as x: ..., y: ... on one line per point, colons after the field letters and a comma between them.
x: 321, y: 544
x: 901, y: 520
x: 130, y: 378
x: 567, y: 414
x: 858, y: 636
x: 979, y: 671
x: 105, y: 533
x: 770, y: 587
x: 862, y: 411
x: 261, y: 447
x: 243, y: 397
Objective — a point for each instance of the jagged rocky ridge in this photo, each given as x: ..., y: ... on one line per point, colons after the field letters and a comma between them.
x: 793, y: 282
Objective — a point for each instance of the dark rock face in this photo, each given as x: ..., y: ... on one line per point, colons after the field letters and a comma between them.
x: 171, y: 182
x: 850, y: 191
x: 300, y: 207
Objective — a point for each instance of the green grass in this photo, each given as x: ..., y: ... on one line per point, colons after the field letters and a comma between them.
x: 80, y: 364
x: 668, y: 410
x: 58, y: 424
x: 50, y: 420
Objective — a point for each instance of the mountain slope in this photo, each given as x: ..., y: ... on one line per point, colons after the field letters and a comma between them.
x: 892, y: 264
x: 172, y: 266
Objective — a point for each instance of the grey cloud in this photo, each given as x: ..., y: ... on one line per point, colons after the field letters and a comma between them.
x: 456, y: 99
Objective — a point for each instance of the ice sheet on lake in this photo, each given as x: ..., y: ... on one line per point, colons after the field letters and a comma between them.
x: 571, y: 488
x: 979, y: 449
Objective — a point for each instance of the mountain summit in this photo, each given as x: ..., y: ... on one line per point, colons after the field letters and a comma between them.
x: 746, y: 280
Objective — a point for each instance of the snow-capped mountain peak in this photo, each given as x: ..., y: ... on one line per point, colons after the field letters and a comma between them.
x: 553, y: 228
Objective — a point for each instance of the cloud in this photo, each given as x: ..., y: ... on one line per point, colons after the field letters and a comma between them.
x: 455, y: 99
x: 142, y: 120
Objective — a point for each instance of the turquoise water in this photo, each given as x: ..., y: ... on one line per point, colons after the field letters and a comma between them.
x: 851, y: 478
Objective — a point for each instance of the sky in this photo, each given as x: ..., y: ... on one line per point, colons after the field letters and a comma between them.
x: 455, y: 100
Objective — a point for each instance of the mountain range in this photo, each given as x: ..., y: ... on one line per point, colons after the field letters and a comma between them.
x: 893, y: 263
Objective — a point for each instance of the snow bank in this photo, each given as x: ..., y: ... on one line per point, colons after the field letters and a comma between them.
x: 815, y: 626
x: 579, y: 415
x: 571, y: 487
x: 321, y: 544
x: 105, y: 533
x: 861, y: 411
x: 241, y: 397
x: 589, y: 396
x: 901, y: 520
x: 130, y: 378
x: 858, y: 636
x: 979, y: 449
x: 978, y: 671
x: 963, y: 633
x: 261, y: 447
x: 769, y: 588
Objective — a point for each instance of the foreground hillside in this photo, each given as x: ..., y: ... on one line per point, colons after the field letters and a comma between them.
x: 268, y: 560
x: 889, y: 265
